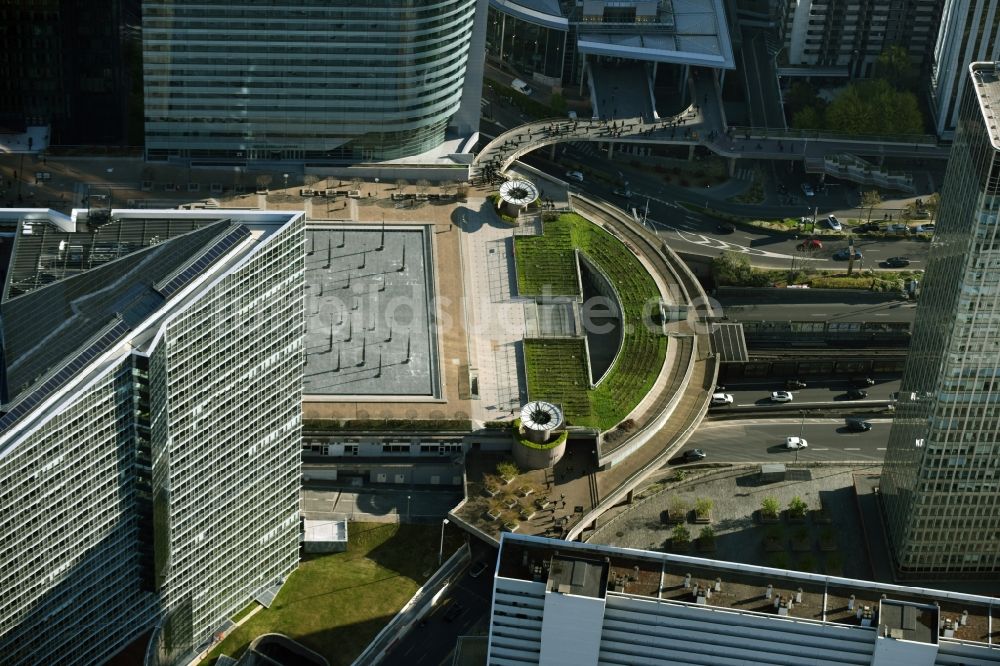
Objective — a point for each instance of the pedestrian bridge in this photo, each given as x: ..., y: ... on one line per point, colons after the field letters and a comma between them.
x: 705, y: 125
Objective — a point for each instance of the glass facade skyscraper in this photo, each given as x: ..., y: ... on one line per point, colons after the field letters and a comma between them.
x: 150, y: 447
x: 941, y: 481
x: 308, y: 80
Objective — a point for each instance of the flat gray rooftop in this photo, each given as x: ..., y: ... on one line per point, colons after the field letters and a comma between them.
x: 368, y: 313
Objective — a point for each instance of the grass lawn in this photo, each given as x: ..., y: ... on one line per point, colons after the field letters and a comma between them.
x: 546, y: 264
x: 335, y: 604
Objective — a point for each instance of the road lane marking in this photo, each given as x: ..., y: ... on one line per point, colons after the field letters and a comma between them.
x: 821, y: 449
x: 852, y: 449
x: 881, y: 448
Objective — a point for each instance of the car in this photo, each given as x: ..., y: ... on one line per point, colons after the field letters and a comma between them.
x: 862, y: 381
x: 795, y: 384
x: 924, y: 229
x: 619, y: 191
x: 808, y: 190
x: 866, y: 227
x: 845, y: 254
x: 794, y: 443
x: 721, y: 399
x: 857, y: 394
x: 897, y: 262
x: 575, y: 175
x: 857, y: 425
x: 896, y: 229
x: 834, y: 223
x: 719, y: 389
x: 725, y: 228
x: 692, y: 455
x: 809, y: 244
x: 455, y: 609
x: 478, y: 568
x: 781, y: 396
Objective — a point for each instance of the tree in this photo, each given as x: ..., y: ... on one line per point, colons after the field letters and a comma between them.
x: 734, y: 268
x: 870, y: 199
x: 770, y: 507
x: 797, y: 507
x: 680, y: 536
x: 803, y: 95
x: 678, y: 508
x: 894, y: 65
x: 263, y: 180
x: 703, y: 507
x: 423, y: 184
x: 401, y: 184
x: 707, y: 536
x: 874, y: 107
x: 310, y: 179
x: 807, y: 118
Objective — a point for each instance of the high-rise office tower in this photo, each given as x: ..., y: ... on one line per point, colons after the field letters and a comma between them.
x: 846, y: 37
x: 310, y: 80
x: 150, y: 430
x: 72, y: 66
x: 941, y: 480
x: 969, y: 32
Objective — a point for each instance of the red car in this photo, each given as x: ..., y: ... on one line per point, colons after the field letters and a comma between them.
x: 811, y: 244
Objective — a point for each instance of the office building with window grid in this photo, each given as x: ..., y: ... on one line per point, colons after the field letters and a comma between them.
x: 150, y: 427
x: 969, y: 32
x: 311, y: 80
x: 941, y: 481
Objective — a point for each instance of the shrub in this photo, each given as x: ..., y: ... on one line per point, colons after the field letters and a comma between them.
x: 707, y: 535
x: 703, y: 507
x: 770, y: 507
x: 680, y: 535
x: 679, y: 475
x: 507, y: 470
x: 679, y: 507
x: 797, y: 507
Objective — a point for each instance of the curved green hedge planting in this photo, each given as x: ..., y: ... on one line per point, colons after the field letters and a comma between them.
x: 551, y: 444
x: 556, y: 369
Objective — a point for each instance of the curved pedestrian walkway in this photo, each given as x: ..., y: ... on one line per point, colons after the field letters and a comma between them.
x: 701, y: 123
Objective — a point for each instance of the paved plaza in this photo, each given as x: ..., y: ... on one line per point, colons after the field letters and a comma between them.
x: 368, y: 324
x: 496, y: 313
x: 736, y: 495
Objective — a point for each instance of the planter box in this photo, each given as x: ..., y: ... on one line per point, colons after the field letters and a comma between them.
x: 492, y: 516
x: 801, y: 546
x: 510, y: 527
x: 772, y: 545
x: 822, y: 517
x: 490, y: 492
x: 668, y: 517
x: 766, y: 519
x: 828, y: 546
x: 795, y: 519
x: 706, y: 546
x: 702, y: 520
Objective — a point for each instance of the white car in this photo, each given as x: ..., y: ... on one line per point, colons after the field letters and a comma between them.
x: 795, y: 443
x: 721, y: 399
x: 575, y: 175
x: 808, y: 190
x: 834, y: 223
x: 781, y: 396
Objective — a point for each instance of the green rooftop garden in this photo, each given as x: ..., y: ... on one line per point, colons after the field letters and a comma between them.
x: 556, y: 368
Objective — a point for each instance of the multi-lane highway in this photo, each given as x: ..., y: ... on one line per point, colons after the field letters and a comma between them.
x: 818, y: 392
x: 762, y: 440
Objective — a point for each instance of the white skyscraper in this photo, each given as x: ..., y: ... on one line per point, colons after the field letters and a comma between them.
x: 969, y: 32
x: 150, y: 435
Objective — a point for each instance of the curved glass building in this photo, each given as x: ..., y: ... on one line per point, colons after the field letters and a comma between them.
x: 309, y: 80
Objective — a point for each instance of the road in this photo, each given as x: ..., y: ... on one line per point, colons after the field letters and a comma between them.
x: 824, y: 392
x: 762, y: 440
x: 693, y: 232
x: 433, y: 643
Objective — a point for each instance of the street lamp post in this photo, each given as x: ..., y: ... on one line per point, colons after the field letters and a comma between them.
x: 286, y: 180
x: 376, y: 188
x: 441, y: 548
x: 407, y: 508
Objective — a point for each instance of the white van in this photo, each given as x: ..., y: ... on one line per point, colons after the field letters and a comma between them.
x: 520, y: 86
